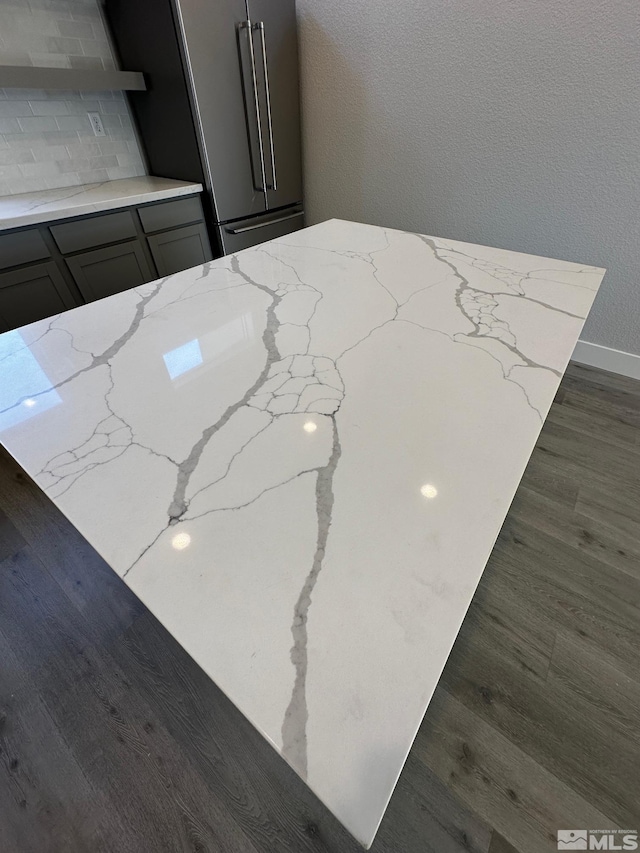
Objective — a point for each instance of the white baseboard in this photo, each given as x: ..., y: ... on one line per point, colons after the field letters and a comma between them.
x: 614, y: 360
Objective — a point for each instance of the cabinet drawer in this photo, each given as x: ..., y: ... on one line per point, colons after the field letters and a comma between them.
x: 32, y: 294
x: 241, y: 235
x: 180, y: 249
x: 96, y: 231
x: 170, y: 214
x: 22, y: 247
x: 113, y: 269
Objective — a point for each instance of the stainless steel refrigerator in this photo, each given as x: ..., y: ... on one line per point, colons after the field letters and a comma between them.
x: 221, y: 108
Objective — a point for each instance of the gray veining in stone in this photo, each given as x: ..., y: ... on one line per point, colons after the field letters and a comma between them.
x: 294, y: 727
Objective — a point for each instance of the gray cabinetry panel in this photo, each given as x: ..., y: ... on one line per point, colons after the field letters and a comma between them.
x: 32, y: 294
x: 22, y: 247
x: 94, y: 231
x: 113, y: 269
x: 180, y: 249
x: 171, y: 214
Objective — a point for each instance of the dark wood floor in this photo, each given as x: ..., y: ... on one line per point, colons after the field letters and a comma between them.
x: 112, y: 739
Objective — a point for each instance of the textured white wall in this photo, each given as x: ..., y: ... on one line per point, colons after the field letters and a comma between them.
x: 514, y: 123
x: 46, y: 140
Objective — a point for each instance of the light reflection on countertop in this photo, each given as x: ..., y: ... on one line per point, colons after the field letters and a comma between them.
x: 428, y: 491
x: 22, y: 377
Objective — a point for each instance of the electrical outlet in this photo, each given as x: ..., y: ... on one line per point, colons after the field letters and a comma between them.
x: 96, y: 124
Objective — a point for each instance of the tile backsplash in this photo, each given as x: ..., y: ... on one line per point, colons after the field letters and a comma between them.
x: 46, y: 140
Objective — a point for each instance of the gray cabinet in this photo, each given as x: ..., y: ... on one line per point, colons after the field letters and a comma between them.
x: 90, y: 257
x: 113, y: 269
x: 31, y: 294
x: 94, y: 231
x: 22, y: 247
x: 180, y: 249
x: 170, y: 214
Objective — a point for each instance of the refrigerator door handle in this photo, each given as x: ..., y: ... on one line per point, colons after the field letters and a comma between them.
x: 265, y: 70
x: 248, y: 26
x: 246, y: 228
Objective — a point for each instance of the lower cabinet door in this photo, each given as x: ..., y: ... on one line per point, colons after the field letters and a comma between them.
x: 180, y: 249
x: 31, y: 294
x: 113, y: 269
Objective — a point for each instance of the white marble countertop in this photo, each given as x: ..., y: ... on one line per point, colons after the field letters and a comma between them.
x: 299, y: 458
x: 50, y: 205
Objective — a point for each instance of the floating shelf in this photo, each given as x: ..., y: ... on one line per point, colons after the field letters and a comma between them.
x: 31, y: 77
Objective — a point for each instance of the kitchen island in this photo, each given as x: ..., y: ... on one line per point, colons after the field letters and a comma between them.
x: 299, y: 458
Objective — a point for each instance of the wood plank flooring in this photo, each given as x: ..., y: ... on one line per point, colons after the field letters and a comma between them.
x: 112, y: 739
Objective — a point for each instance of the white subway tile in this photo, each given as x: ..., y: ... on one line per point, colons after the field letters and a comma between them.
x: 68, y: 46
x: 37, y: 123
x: 11, y: 155
x: 96, y: 47
x: 8, y: 171
x: 83, y: 149
x: 16, y: 57
x: 87, y: 14
x: 49, y: 108
x: 120, y: 133
x: 124, y: 172
x: 79, y: 106
x: 9, y: 125
x: 75, y: 165
x: 77, y: 29
x: 73, y: 122
x: 69, y: 179
x: 25, y: 185
x: 104, y: 161
x: 84, y: 9
x: 115, y: 146
x: 59, y: 137
x: 50, y: 60
x: 33, y: 139
x: 113, y: 107
x: 50, y: 152
x: 110, y: 121
x: 15, y: 108
x: 26, y: 94
x: 36, y: 170
x: 93, y: 176
x: 91, y: 62
x: 129, y: 160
